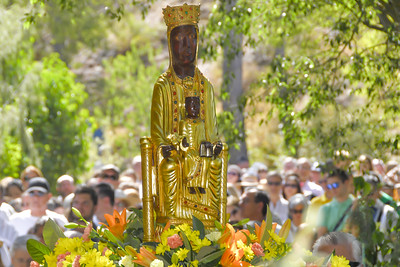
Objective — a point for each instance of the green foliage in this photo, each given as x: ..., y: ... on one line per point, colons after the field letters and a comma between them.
x: 58, y: 121
x: 335, y: 85
x: 37, y: 250
x: 43, y: 122
x: 127, y: 94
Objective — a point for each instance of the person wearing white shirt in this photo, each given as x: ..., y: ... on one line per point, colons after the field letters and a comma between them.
x: 303, y: 170
x: 277, y: 204
x: 39, y: 194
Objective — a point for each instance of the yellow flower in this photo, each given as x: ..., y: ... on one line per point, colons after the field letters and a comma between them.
x: 94, y: 258
x: 195, y: 263
x: 182, y: 253
x: 51, y: 259
x: 248, y: 252
x: 253, y: 238
x: 307, y: 253
x: 161, y: 248
x: 279, y: 240
x: 270, y: 250
x: 184, y: 227
x: 339, y: 261
x: 198, y: 243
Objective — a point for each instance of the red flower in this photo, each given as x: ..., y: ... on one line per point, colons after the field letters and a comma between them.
x: 76, y: 261
x: 86, y: 233
x: 174, y: 241
x: 257, y: 249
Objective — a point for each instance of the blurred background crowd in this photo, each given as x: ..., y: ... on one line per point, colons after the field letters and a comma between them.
x: 318, y: 197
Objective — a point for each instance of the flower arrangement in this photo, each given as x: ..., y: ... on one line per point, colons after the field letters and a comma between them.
x: 120, y: 244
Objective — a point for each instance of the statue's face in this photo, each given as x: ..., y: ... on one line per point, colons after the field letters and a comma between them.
x: 184, y: 44
x: 192, y: 105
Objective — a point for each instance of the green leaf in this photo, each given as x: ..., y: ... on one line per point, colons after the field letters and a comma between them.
x: 204, y: 251
x: 187, y: 245
x: 211, y: 257
x: 37, y: 250
x: 242, y: 222
x: 269, y: 219
x: 51, y: 233
x: 268, y: 227
x: 198, y: 226
x: 218, y: 225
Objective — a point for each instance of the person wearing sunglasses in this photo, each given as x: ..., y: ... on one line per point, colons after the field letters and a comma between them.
x: 342, y: 244
x: 297, y: 206
x: 38, y: 194
x: 109, y: 174
x: 291, y: 186
x: 277, y: 204
x: 333, y: 215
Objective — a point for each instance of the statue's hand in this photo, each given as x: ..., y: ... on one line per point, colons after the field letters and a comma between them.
x: 185, y: 142
x: 218, y: 148
x: 166, y: 150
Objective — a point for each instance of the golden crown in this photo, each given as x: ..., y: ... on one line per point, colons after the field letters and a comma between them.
x: 181, y: 15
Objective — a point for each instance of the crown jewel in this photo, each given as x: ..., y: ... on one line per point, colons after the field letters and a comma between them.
x: 181, y: 15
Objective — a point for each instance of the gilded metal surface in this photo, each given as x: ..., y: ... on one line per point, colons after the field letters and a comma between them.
x: 148, y: 218
x: 185, y: 183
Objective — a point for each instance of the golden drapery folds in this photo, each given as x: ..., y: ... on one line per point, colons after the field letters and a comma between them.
x: 184, y: 183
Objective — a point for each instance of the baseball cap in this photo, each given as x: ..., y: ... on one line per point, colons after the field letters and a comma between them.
x: 110, y: 167
x: 38, y: 184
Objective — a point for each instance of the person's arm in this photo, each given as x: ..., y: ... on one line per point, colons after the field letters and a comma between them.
x: 322, y: 221
x: 321, y: 231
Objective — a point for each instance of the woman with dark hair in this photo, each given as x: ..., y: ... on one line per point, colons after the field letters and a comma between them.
x: 291, y: 186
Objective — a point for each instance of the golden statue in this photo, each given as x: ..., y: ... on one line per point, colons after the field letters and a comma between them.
x: 184, y: 162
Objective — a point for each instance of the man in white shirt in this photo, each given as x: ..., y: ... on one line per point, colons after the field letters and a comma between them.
x: 39, y: 194
x: 303, y: 170
x: 277, y: 204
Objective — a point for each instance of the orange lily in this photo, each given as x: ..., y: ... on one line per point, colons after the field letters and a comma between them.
x: 260, y: 230
x: 116, y: 223
x: 145, y: 257
x: 232, y: 257
x: 242, y: 235
x: 228, y: 236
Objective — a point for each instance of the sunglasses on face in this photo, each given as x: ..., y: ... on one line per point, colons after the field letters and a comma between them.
x: 300, y: 211
x: 233, y: 173
x: 333, y: 186
x: 106, y: 176
x: 291, y: 185
x: 274, y: 183
x: 36, y: 194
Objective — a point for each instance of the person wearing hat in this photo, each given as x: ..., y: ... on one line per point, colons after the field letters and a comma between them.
x: 65, y: 187
x: 109, y: 174
x: 39, y: 195
x: 128, y: 198
x: 249, y: 179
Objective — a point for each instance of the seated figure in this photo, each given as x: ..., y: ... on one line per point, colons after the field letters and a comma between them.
x: 184, y: 162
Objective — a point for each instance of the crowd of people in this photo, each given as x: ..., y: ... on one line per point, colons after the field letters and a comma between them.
x: 318, y: 198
